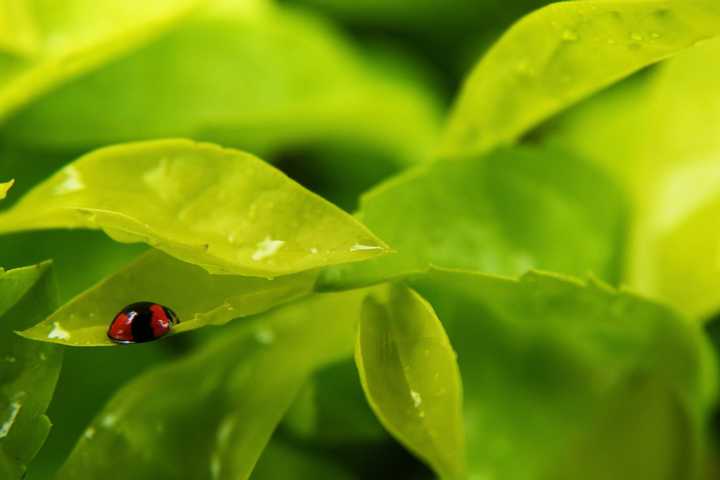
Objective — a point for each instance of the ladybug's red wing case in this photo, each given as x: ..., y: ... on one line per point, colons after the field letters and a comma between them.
x: 141, y: 322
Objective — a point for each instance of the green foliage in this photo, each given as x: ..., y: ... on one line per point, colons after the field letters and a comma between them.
x: 411, y: 378
x: 241, y: 383
x: 140, y: 192
x: 577, y: 149
x: 562, y: 53
x: 197, y: 297
x: 511, y: 210
x: 28, y: 370
x: 563, y: 378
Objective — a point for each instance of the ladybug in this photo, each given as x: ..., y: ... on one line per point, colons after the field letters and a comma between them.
x: 141, y: 322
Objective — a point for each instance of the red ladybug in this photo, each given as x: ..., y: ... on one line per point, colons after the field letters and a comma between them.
x: 141, y: 322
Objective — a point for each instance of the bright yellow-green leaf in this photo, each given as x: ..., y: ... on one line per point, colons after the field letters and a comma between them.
x: 211, y: 414
x: 77, y: 35
x: 410, y: 376
x: 197, y: 297
x: 504, y: 212
x: 566, y: 51
x: 28, y: 370
x: 560, y: 374
x: 657, y: 134
x: 4, y: 187
x: 222, y: 209
x: 18, y: 32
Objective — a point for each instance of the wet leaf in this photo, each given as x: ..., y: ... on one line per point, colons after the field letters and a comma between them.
x: 505, y: 212
x: 242, y: 384
x: 197, y: 297
x: 553, y: 370
x: 28, y: 370
x: 72, y: 37
x: 411, y: 378
x: 222, y: 209
x: 562, y: 53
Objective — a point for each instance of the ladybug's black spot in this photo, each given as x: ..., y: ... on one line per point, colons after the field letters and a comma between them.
x: 141, y: 322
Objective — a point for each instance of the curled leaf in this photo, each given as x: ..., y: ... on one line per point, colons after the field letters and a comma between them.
x: 411, y: 378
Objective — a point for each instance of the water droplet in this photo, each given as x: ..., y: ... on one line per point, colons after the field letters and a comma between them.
x: 655, y: 35
x: 10, y: 359
x: 10, y: 418
x: 232, y: 236
x: 364, y: 248
x: 314, y: 251
x: 569, y: 35
x: 636, y: 37
x: 43, y: 357
x: 267, y: 248
x: 265, y: 336
x: 58, y: 332
x: 89, y: 433
x: 416, y: 398
x: 108, y: 421
x: 71, y: 183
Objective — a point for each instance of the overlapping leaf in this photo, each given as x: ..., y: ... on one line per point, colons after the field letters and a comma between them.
x: 556, y: 373
x: 411, y: 378
x: 562, y: 53
x: 657, y: 135
x: 198, y: 298
x: 224, y: 210
x: 505, y: 212
x: 4, y: 187
x: 157, y: 427
x: 28, y: 370
x: 227, y: 75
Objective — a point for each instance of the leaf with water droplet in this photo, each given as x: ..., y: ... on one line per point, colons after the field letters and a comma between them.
x: 29, y: 370
x: 197, y: 297
x: 222, y: 209
x: 503, y: 212
x: 560, y: 374
x: 496, y: 108
x: 240, y: 389
x: 411, y: 379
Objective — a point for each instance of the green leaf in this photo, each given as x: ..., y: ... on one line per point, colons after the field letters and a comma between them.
x: 505, y: 212
x: 74, y: 36
x: 28, y: 370
x: 229, y: 77
x: 198, y: 298
x: 562, y: 53
x: 547, y: 363
x: 166, y: 193
x: 657, y: 135
x: 410, y: 376
x: 4, y: 187
x: 242, y: 384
